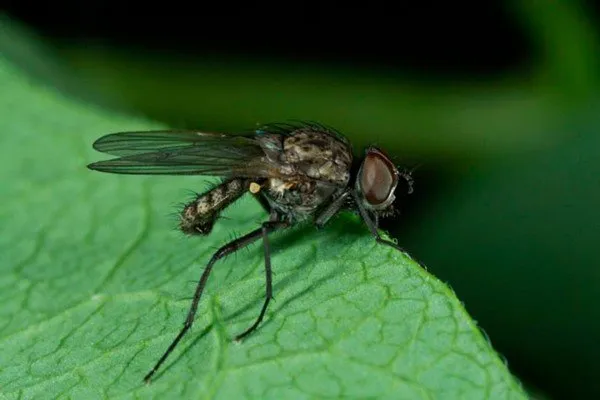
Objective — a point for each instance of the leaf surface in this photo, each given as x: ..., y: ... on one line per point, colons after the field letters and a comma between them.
x: 95, y: 282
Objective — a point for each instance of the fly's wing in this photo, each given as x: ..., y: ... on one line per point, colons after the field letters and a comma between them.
x: 183, y: 153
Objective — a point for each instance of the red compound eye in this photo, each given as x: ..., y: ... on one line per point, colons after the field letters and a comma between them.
x: 378, y: 178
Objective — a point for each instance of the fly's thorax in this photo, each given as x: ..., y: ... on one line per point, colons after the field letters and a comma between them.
x: 199, y: 215
x: 298, y: 198
x: 318, y: 155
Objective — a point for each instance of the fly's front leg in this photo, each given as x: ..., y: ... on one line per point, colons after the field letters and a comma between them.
x: 331, y: 209
x: 372, y: 224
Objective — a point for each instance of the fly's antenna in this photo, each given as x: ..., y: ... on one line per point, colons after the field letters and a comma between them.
x: 407, y: 175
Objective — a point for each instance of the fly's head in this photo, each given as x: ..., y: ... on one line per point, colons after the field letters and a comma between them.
x: 377, y: 180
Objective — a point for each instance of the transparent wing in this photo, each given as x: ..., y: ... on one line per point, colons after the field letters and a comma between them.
x: 182, y: 153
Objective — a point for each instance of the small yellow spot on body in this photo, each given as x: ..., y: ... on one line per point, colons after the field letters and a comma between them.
x: 254, y: 188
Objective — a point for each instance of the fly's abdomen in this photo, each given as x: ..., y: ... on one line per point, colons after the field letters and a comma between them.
x: 199, y: 215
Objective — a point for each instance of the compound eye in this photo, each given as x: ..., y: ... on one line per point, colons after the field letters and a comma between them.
x: 378, y: 178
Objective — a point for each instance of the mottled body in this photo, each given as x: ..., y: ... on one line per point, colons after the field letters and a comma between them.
x: 309, y: 167
x: 314, y: 166
x: 199, y: 215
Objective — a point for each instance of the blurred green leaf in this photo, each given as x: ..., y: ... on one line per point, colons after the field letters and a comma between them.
x: 481, y: 118
x: 566, y: 42
x: 94, y: 284
x: 533, y: 223
x: 457, y: 121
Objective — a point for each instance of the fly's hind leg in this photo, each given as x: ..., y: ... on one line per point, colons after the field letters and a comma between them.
x: 267, y: 227
x: 273, y: 224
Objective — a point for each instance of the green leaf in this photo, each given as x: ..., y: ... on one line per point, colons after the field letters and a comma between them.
x: 95, y: 283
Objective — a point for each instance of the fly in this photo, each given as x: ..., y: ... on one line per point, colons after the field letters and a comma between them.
x: 298, y: 172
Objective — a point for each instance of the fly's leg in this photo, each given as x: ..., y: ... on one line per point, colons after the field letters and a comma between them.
x: 372, y: 224
x: 331, y: 209
x: 266, y: 229
x: 263, y: 202
x: 227, y: 249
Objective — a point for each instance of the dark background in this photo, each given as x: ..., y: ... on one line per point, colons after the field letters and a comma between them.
x: 505, y: 209
x: 443, y: 40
